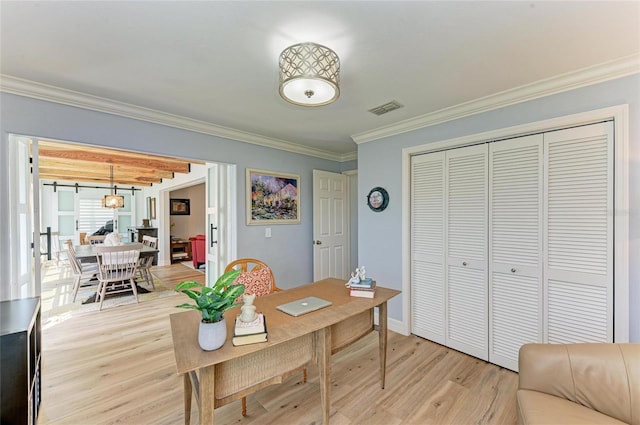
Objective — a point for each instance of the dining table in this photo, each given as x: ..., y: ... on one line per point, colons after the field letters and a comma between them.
x: 86, y: 253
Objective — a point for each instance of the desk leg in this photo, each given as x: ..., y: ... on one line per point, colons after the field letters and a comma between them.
x: 188, y: 390
x: 207, y: 380
x: 382, y: 335
x: 323, y: 347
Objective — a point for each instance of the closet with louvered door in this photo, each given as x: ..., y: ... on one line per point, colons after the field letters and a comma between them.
x: 512, y: 242
x: 449, y: 245
x: 466, y: 250
x: 515, y: 247
x: 578, y: 262
x: 427, y: 247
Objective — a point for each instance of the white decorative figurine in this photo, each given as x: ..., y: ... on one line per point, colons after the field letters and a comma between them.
x: 356, y: 276
x: 248, y: 310
x: 363, y: 272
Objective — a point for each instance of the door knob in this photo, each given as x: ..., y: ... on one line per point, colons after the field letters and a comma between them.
x: 317, y: 242
x: 464, y: 263
x: 513, y: 270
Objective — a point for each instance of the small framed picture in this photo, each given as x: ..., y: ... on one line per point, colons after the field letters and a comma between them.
x: 151, y: 208
x: 272, y: 197
x: 179, y: 207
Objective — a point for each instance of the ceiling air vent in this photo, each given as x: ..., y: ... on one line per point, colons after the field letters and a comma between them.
x: 387, y: 107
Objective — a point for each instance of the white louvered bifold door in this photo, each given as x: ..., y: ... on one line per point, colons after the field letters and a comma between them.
x: 466, y: 250
x: 578, y: 278
x: 515, y: 247
x: 427, y: 247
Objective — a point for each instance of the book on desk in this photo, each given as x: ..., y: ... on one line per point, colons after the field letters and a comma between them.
x: 250, y: 332
x: 363, y: 289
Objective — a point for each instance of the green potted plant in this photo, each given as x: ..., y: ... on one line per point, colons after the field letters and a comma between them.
x: 212, y: 302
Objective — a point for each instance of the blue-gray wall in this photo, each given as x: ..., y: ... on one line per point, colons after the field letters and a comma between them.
x: 289, y: 251
x: 380, y: 164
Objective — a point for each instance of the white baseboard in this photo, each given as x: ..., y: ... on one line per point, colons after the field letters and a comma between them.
x: 393, y: 325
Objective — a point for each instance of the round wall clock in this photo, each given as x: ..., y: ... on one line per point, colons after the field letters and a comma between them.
x: 378, y: 199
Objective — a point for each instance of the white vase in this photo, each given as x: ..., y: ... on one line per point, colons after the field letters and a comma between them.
x: 212, y: 336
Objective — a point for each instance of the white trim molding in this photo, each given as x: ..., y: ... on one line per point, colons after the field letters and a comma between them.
x: 32, y: 89
x: 618, y: 68
x: 620, y: 116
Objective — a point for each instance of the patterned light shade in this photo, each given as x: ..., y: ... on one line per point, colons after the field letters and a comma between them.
x: 309, y: 74
x: 113, y: 201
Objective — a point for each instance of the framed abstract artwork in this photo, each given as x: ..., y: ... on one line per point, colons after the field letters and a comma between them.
x: 179, y: 207
x: 272, y: 197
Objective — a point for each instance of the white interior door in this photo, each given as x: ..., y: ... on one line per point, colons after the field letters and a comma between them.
x: 123, y: 217
x: 330, y: 225
x: 221, y: 219
x: 24, y: 217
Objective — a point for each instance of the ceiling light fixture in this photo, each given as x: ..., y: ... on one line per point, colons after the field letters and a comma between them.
x: 113, y: 201
x: 309, y: 74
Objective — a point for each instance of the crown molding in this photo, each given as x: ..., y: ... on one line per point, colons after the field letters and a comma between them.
x: 618, y: 68
x: 35, y: 90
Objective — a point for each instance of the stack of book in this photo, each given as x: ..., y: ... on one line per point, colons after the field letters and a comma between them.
x: 250, y: 332
x: 366, y: 288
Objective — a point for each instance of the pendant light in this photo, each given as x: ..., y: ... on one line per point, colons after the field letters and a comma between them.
x: 113, y: 200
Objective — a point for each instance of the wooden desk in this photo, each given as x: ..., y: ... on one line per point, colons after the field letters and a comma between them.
x: 86, y: 254
x: 231, y: 373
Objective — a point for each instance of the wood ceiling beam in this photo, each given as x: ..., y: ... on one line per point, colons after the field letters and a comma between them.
x: 73, y: 177
x: 90, y: 157
x: 100, y: 168
x: 116, y: 152
x: 80, y: 163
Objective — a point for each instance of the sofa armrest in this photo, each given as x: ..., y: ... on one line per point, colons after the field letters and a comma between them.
x: 546, y: 368
x: 602, y: 377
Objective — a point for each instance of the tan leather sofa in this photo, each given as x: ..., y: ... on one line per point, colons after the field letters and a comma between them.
x: 579, y: 384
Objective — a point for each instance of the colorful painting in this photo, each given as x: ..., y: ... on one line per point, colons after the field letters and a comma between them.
x: 179, y: 207
x: 272, y: 198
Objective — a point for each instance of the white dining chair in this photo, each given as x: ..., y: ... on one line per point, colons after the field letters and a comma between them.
x: 117, y: 266
x: 80, y: 271
x: 144, y: 265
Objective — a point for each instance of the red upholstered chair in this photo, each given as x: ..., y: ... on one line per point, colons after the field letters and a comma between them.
x: 198, y: 250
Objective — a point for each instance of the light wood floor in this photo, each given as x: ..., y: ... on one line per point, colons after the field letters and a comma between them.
x: 117, y: 367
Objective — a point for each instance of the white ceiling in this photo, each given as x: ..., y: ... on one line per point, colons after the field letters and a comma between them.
x: 216, y: 61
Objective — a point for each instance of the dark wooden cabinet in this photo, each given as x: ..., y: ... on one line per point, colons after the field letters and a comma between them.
x: 146, y: 231
x: 180, y: 251
x: 20, y: 361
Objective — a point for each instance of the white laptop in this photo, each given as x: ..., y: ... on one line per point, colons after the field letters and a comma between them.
x: 303, y: 306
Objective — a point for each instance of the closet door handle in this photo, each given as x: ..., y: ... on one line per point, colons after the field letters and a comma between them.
x: 464, y: 263
x: 513, y: 270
